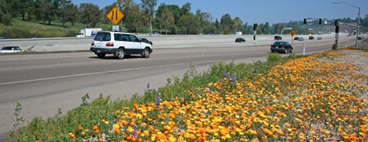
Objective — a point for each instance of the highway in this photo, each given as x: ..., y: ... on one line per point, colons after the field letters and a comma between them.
x: 47, y: 81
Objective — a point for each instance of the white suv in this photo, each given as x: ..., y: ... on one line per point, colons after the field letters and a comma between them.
x: 120, y: 44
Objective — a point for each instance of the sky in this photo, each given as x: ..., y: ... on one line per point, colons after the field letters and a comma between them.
x: 261, y: 11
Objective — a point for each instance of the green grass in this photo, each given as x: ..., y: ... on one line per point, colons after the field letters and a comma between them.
x: 29, y: 29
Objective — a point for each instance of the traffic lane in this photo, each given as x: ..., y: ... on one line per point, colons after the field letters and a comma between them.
x: 30, y: 67
x: 88, y: 72
x: 17, y: 77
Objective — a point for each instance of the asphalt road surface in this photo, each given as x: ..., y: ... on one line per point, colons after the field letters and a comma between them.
x: 46, y: 82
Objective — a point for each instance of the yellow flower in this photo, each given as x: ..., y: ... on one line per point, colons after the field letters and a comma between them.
x: 130, y: 129
x: 72, y: 136
x: 223, y: 137
x: 146, y: 133
x: 116, y: 128
x: 172, y: 138
x: 228, y: 136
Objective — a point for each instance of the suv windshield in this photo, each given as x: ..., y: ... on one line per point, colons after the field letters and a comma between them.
x: 103, y: 37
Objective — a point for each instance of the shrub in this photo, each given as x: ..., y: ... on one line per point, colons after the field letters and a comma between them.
x: 334, y: 46
x: 274, y: 57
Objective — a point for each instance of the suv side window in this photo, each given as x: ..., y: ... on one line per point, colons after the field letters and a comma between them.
x: 103, y: 37
x: 133, y: 38
x: 125, y: 37
x: 118, y: 37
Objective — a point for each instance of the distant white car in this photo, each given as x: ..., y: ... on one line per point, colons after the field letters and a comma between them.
x: 11, y: 49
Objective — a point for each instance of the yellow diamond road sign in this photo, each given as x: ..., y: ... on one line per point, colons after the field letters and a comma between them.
x: 292, y: 33
x: 115, y: 15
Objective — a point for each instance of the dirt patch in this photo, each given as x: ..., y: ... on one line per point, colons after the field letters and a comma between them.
x: 358, y: 58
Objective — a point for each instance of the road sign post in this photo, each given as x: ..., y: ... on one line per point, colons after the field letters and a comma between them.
x: 115, y: 28
x: 292, y: 33
x: 115, y: 16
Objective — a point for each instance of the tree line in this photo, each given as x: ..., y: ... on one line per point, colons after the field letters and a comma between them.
x: 139, y: 18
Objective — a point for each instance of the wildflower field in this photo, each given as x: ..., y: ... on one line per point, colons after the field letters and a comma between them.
x: 309, y: 98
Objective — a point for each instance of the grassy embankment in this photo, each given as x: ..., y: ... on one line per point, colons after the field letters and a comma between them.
x: 311, y: 98
x: 27, y: 29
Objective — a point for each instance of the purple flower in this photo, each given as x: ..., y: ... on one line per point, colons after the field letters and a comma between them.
x: 135, y: 132
x: 158, y: 100
x: 148, y: 86
x: 224, y: 74
x: 233, y: 78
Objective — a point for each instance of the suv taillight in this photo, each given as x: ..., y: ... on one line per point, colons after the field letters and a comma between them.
x: 110, y: 44
x: 93, y: 43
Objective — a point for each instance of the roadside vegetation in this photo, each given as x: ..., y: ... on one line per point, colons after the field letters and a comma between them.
x: 309, y: 98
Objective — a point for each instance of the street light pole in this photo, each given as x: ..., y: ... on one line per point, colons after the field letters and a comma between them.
x: 357, y: 34
x: 356, y: 41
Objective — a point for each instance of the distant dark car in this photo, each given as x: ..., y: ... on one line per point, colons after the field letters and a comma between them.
x: 360, y: 38
x: 146, y: 40
x: 282, y: 47
x: 311, y: 37
x: 239, y: 39
x: 319, y: 38
x: 296, y: 38
x: 278, y: 38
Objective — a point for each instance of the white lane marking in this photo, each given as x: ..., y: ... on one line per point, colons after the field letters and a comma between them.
x: 96, y: 73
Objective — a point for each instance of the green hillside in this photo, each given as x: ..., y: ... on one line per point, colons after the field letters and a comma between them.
x: 28, y: 29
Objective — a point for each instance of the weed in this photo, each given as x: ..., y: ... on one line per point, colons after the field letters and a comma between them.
x: 274, y: 57
x: 18, y: 120
x: 335, y: 46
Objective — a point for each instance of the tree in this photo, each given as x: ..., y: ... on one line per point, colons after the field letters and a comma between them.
x: 90, y: 14
x: 24, y: 7
x: 135, y: 21
x: 204, y: 19
x: 72, y: 15
x: 218, y: 27
x: 63, y: 10
x: 105, y: 11
x: 174, y: 9
x: 185, y: 9
x: 260, y: 29
x: 188, y: 24
x: 277, y: 28
x: 167, y: 19
x: 5, y: 16
x: 237, y: 23
x: 45, y: 11
x: 247, y: 29
x: 149, y: 5
x: 125, y: 6
x: 227, y: 24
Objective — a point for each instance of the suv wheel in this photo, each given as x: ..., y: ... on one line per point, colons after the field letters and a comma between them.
x: 101, y: 55
x: 120, y: 53
x: 146, y: 53
x: 291, y: 51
